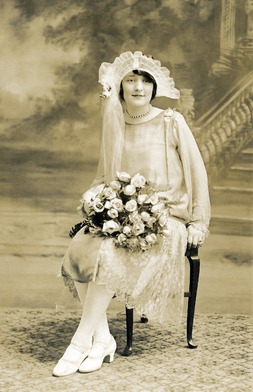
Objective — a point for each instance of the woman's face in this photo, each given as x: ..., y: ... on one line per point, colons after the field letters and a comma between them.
x: 137, y: 90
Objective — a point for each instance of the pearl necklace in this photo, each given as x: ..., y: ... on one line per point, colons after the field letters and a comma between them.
x: 134, y: 117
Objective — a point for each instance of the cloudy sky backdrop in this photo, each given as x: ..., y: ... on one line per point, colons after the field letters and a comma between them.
x: 50, y: 53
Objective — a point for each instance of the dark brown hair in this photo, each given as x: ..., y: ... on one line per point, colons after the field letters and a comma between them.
x: 145, y: 75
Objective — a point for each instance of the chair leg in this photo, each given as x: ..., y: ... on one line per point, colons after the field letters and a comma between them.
x: 129, y: 327
x: 144, y: 319
x: 192, y: 256
x: 194, y: 278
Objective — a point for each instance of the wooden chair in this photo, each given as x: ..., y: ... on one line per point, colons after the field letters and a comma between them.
x: 193, y: 258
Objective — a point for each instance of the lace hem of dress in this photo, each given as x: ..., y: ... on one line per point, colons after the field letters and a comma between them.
x: 69, y: 282
x: 152, y: 282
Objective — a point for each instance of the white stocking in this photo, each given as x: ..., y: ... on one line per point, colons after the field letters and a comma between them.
x: 102, y: 332
x: 95, y: 299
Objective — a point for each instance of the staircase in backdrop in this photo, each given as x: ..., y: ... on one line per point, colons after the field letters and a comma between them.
x: 232, y: 195
x: 224, y: 135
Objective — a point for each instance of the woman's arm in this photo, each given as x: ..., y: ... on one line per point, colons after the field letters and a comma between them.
x: 195, y: 179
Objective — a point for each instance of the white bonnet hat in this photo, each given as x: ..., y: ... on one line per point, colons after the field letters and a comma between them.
x: 111, y: 74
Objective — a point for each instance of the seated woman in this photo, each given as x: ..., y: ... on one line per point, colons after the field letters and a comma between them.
x: 149, y: 155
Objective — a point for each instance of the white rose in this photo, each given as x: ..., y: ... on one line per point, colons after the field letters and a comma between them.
x: 151, y: 221
x: 92, y: 193
x: 157, y: 208
x: 127, y: 230
x: 134, y: 217
x: 129, y: 190
x: 151, y: 238
x: 153, y: 199
x: 113, y: 213
x: 109, y: 193
x: 110, y: 227
x: 131, y: 205
x: 108, y: 205
x: 121, y: 239
x: 138, y: 228
x: 98, y: 206
x: 138, y: 181
x: 115, y: 185
x: 142, y: 198
x: 117, y: 204
x: 145, y: 216
x: 123, y: 176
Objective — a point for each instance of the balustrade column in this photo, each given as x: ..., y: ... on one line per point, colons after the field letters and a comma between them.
x: 227, y: 34
x: 249, y: 12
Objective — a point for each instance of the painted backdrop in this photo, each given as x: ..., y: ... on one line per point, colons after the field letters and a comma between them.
x: 51, y: 51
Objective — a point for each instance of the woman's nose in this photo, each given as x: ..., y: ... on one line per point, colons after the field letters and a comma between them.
x: 138, y: 85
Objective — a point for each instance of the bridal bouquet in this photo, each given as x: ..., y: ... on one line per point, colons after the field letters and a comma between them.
x: 127, y: 209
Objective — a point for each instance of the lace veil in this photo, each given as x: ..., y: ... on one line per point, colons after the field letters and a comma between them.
x: 110, y: 76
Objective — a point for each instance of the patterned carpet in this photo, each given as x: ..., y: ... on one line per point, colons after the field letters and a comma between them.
x: 33, y: 340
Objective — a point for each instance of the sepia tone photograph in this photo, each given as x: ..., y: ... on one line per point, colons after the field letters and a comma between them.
x: 126, y: 189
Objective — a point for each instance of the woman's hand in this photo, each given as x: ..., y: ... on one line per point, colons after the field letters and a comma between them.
x: 195, y: 237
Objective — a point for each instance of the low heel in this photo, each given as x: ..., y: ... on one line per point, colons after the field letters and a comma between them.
x: 109, y: 358
x: 99, y: 353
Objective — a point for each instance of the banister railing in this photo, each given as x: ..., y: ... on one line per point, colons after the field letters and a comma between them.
x: 245, y: 85
x: 222, y: 131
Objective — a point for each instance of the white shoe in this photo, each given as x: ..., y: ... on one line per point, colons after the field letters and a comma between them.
x: 99, y: 353
x: 70, y: 361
